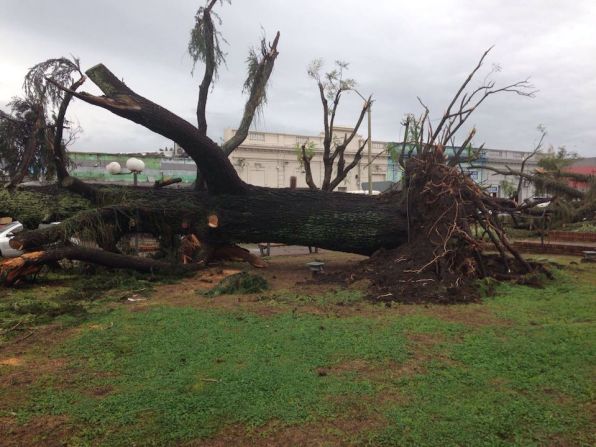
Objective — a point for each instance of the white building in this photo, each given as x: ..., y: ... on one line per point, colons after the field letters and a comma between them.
x: 270, y: 159
x: 501, y: 159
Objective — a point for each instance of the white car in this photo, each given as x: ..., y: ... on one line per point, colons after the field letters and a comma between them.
x: 7, y: 232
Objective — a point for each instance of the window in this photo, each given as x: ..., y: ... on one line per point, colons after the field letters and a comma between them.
x: 378, y: 145
x: 473, y: 175
x: 256, y: 136
x: 301, y: 140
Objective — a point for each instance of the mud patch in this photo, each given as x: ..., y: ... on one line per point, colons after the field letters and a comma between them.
x: 471, y: 315
x: 47, y: 431
x: 100, y: 391
x: 345, y: 431
x: 379, y: 372
x: 26, y: 363
x: 285, y: 274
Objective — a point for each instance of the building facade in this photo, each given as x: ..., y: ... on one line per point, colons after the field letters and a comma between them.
x: 502, y: 159
x: 92, y: 166
x: 271, y: 159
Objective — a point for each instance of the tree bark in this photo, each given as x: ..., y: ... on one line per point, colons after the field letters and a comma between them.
x: 11, y: 270
x: 81, y: 188
x: 335, y: 221
x: 60, y: 158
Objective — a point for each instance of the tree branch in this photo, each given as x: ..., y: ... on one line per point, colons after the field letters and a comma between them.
x: 220, y: 175
x: 539, y: 179
x: 525, y: 160
x: 30, y: 147
x: 457, y: 157
x: 209, y: 37
x: 347, y: 140
x: 258, y: 85
x: 327, y: 139
x: 306, y: 163
x: 341, y: 173
x: 11, y: 270
x: 59, y: 151
x: 457, y: 95
x: 7, y: 117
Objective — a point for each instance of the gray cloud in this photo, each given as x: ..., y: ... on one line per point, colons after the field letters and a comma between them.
x: 398, y: 50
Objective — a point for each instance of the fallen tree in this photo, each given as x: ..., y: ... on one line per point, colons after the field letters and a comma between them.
x: 428, y: 225
x: 33, y: 134
x: 568, y: 204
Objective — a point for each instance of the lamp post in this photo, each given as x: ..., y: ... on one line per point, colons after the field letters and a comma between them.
x: 369, y: 141
x: 135, y: 166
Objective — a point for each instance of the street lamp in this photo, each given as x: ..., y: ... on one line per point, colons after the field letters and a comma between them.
x: 368, y: 101
x: 136, y: 166
x: 114, y: 168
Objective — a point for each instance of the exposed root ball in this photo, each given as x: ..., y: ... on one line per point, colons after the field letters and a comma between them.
x: 443, y: 257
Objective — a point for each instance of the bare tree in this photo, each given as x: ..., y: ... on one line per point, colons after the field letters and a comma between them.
x: 465, y: 102
x: 332, y: 85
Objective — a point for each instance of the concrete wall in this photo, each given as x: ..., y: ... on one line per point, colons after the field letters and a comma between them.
x: 91, y: 166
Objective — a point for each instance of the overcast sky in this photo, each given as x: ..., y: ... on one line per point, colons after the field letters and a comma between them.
x: 398, y: 50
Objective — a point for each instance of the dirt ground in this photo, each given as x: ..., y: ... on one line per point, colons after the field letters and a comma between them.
x: 286, y: 273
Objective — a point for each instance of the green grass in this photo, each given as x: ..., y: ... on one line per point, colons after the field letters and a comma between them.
x: 177, y: 374
x: 191, y: 371
x: 525, y: 383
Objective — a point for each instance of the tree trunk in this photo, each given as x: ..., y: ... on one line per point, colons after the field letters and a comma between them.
x: 60, y: 157
x: 12, y: 270
x: 335, y: 221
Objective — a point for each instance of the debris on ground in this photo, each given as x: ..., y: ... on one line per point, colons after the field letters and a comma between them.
x: 239, y: 284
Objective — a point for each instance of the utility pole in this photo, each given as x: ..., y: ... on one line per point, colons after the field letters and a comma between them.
x: 369, y: 150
